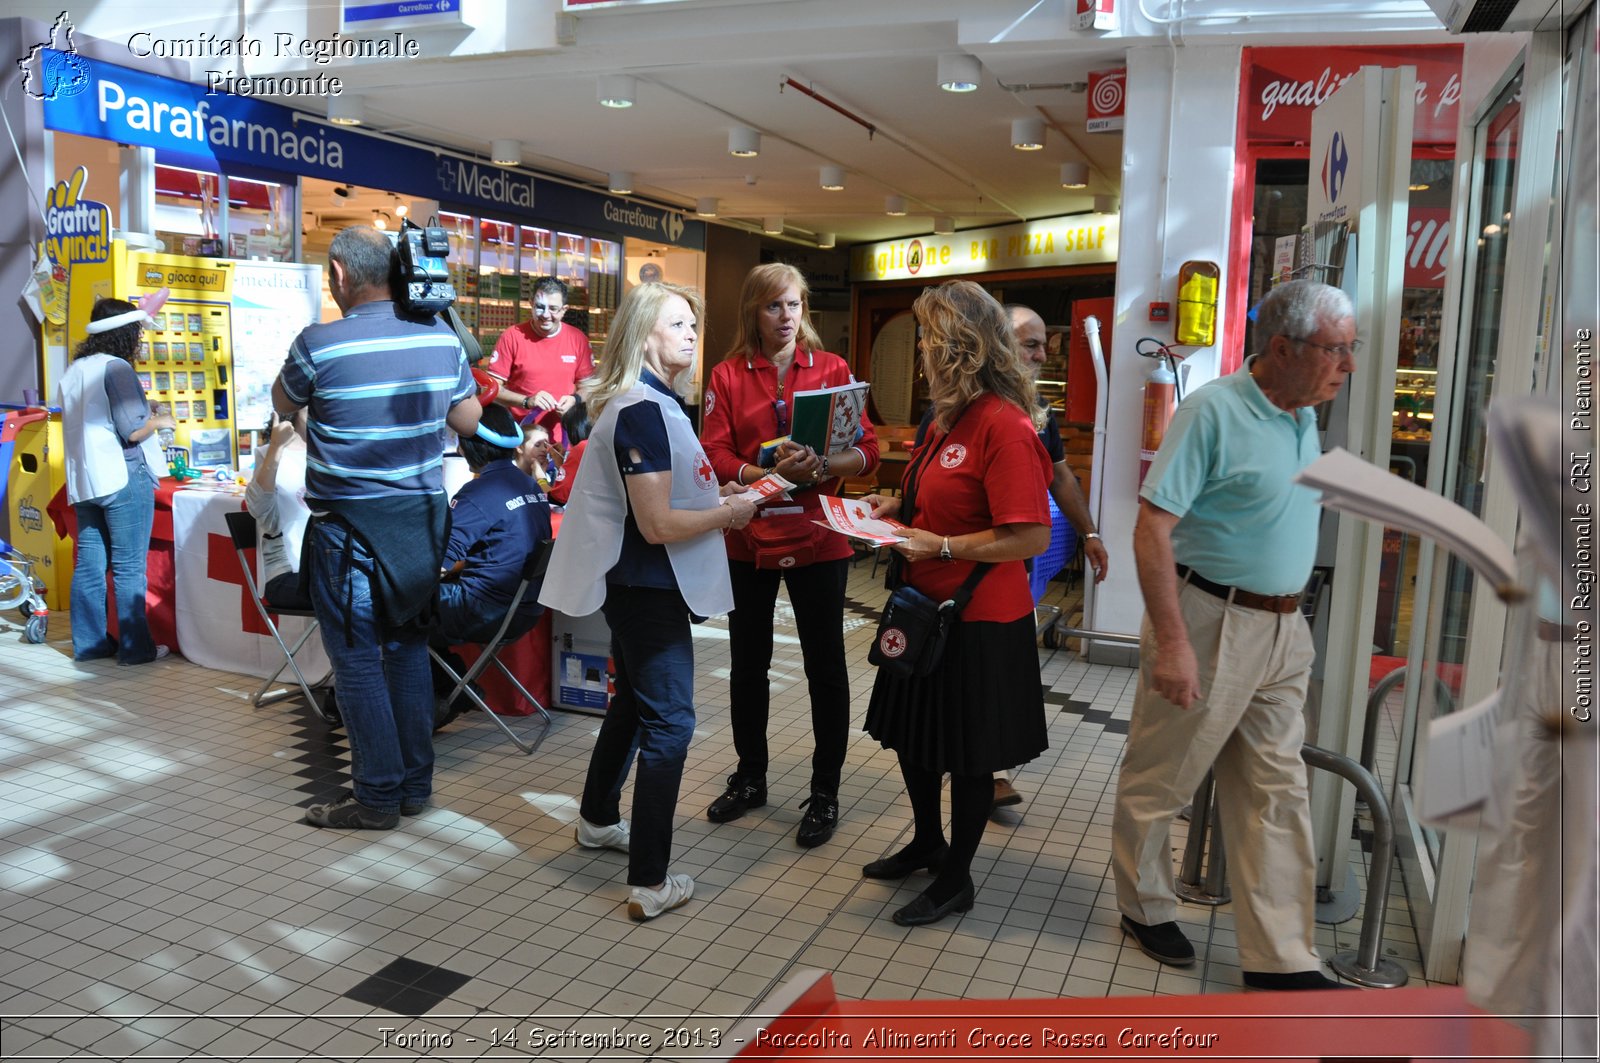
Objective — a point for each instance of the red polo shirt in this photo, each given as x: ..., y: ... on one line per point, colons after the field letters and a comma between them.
x: 989, y: 470
x: 739, y: 416
x: 530, y: 363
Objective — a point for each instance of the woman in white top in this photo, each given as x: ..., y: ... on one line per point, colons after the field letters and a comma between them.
x: 113, y: 464
x: 641, y: 541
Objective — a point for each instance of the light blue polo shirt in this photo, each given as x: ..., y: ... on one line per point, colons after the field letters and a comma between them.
x: 1225, y: 469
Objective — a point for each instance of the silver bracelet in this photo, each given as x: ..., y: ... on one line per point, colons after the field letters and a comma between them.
x: 1091, y: 535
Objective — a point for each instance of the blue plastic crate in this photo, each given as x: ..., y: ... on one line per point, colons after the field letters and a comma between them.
x: 1063, y: 544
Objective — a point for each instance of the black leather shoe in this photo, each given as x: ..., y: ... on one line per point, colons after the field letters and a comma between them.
x: 740, y: 797
x: 1163, y: 942
x: 1291, y: 980
x: 904, y: 862
x: 923, y: 911
x: 822, y: 815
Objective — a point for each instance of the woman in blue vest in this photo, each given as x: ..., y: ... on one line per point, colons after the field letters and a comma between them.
x: 641, y: 541
x: 113, y: 464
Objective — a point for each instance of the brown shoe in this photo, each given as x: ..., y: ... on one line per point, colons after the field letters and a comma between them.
x: 1005, y: 794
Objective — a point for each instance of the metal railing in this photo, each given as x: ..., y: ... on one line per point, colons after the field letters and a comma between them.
x: 1364, y: 967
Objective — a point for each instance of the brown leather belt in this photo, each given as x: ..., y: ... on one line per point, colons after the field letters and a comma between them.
x: 1272, y: 603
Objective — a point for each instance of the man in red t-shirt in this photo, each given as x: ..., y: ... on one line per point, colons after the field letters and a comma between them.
x: 540, y: 362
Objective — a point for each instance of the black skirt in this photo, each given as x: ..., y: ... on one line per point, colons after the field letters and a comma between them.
x: 981, y: 711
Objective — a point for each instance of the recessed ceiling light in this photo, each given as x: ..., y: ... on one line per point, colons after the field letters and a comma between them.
x: 772, y: 226
x: 1074, y: 175
x: 706, y: 206
x: 744, y: 142
x: 894, y: 206
x: 621, y: 182
x: 943, y: 225
x: 505, y: 152
x: 825, y: 240
x: 833, y: 178
x: 1027, y: 134
x: 959, y: 72
x: 347, y: 109
x: 617, y: 90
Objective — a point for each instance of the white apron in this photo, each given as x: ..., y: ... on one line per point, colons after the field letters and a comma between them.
x: 590, y: 542
x: 95, y: 468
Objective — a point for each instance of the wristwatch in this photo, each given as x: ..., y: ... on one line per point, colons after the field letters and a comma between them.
x: 527, y: 402
x: 944, y: 551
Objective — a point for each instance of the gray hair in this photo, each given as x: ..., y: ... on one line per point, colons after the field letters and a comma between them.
x: 1297, y: 309
x: 366, y: 254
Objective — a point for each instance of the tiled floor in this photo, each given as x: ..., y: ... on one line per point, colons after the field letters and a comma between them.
x: 162, y: 899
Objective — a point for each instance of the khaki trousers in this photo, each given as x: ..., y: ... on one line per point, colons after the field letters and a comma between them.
x: 1254, y: 667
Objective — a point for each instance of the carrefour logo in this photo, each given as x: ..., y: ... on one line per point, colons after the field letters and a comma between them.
x: 672, y: 225
x: 1334, y: 165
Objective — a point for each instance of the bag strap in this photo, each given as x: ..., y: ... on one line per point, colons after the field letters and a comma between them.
x: 963, y: 593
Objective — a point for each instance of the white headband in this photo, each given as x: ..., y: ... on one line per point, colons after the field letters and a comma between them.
x: 115, y: 321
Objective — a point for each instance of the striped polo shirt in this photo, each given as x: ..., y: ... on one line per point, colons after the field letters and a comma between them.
x: 377, y: 384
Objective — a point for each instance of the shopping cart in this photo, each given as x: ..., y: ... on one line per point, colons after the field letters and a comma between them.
x: 20, y: 589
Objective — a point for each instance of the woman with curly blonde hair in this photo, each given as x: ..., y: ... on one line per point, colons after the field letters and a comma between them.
x: 974, y: 493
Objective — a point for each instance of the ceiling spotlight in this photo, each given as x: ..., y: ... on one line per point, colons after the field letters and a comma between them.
x: 744, y: 142
x: 343, y: 192
x: 706, y: 207
x: 380, y: 220
x: 617, y: 90
x: 894, y: 206
x: 401, y: 210
x: 1105, y: 204
x: 959, y: 72
x: 772, y: 226
x: 1074, y: 175
x: 621, y: 182
x: 833, y: 178
x: 347, y: 110
x: 505, y: 152
x: 1027, y: 134
x: 824, y: 240
x: 943, y: 225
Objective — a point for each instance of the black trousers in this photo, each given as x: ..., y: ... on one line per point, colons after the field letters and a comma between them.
x: 817, y: 594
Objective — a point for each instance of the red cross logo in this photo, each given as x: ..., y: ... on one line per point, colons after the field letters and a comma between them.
x: 892, y: 643
x: 952, y: 455
x: 703, y: 472
x: 223, y: 566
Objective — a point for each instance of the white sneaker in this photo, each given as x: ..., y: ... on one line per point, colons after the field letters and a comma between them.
x: 589, y: 836
x: 646, y: 903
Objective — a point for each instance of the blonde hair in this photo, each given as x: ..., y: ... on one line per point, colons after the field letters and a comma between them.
x: 968, y: 349
x: 762, y: 285
x: 623, y: 359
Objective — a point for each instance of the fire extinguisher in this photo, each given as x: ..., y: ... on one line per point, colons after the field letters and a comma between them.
x: 1160, y: 398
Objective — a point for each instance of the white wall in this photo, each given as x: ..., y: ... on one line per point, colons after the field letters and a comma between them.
x: 1177, y: 196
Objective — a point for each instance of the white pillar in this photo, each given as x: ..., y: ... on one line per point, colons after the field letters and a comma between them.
x: 1178, y: 154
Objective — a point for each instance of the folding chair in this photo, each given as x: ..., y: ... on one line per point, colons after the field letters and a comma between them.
x: 242, y: 529
x: 532, y: 570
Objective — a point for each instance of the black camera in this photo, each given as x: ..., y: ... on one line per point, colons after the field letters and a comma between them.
x: 425, y: 286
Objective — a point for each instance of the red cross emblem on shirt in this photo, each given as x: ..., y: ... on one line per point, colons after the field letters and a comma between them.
x: 703, y: 471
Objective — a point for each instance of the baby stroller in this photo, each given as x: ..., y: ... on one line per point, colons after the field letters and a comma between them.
x: 19, y: 587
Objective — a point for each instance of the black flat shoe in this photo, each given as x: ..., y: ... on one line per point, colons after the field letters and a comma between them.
x: 904, y: 863
x: 923, y: 911
x: 1277, y: 982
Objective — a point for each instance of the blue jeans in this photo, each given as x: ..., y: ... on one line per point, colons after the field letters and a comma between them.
x: 385, y: 693
x: 114, y: 529
x: 653, y: 651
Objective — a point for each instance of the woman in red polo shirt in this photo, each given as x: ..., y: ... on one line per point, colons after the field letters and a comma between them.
x: 775, y: 354
x: 978, y: 486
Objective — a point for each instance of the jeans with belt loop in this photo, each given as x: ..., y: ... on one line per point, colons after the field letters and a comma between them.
x: 385, y: 690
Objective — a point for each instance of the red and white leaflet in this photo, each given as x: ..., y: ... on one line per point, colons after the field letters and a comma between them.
x: 853, y: 517
x: 765, y: 489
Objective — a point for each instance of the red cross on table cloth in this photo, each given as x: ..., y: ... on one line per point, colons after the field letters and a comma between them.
x: 222, y: 565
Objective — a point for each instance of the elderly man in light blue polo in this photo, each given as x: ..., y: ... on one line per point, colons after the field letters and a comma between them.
x: 1224, y: 544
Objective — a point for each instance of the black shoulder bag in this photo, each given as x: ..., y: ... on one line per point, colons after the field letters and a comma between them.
x: 913, y: 629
